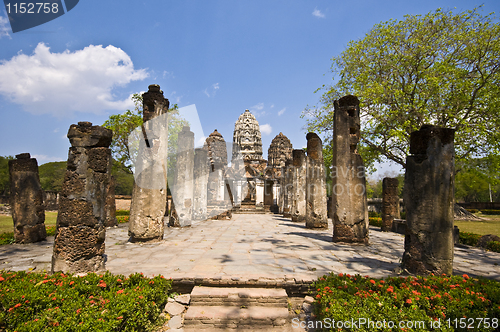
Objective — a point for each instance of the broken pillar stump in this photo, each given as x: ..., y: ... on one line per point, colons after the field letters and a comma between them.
x: 349, y: 202
x: 26, y: 200
x: 429, y: 196
x: 390, y: 203
x: 80, y: 230
x: 316, y: 211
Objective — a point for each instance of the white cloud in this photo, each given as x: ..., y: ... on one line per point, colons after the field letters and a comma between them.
x: 266, y: 129
x: 42, y: 158
x: 257, y: 107
x: 168, y: 74
x: 280, y: 113
x: 316, y: 12
x: 4, y: 27
x: 212, y: 91
x: 174, y: 98
x: 58, y: 83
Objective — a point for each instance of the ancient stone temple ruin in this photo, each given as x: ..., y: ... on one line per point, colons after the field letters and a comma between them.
x: 390, y: 203
x: 149, y: 194
x: 316, y: 210
x: 79, y: 240
x: 349, y: 202
x: 428, y: 196
x: 26, y: 195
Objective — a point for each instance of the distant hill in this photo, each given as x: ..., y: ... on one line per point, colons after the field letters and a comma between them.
x: 52, y: 177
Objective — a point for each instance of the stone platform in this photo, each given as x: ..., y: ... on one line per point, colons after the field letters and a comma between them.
x: 258, y: 250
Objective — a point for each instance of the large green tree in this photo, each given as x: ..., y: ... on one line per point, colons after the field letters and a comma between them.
x: 442, y: 68
x: 125, y: 124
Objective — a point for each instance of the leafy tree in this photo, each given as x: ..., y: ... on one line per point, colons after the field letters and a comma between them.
x: 474, y: 179
x: 125, y: 124
x: 122, y: 126
x: 442, y: 68
x: 124, y: 179
x: 52, y: 175
x: 4, y: 175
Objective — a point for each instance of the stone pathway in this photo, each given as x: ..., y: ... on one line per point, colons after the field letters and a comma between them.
x: 249, y: 247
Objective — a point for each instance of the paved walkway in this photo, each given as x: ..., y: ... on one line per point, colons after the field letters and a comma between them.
x: 249, y: 246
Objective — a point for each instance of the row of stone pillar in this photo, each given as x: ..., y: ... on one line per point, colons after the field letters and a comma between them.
x: 303, y: 189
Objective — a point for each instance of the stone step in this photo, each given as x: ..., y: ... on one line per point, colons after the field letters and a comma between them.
x: 240, y: 297
x: 222, y: 318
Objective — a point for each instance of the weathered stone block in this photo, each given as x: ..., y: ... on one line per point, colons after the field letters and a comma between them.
x: 390, y: 203
x: 349, y: 203
x: 79, y: 241
x: 99, y: 159
x: 149, y: 201
x: 298, y: 206
x: 26, y: 200
x: 429, y: 198
x: 316, y: 211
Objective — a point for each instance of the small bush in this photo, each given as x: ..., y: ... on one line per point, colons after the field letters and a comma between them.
x: 403, y: 215
x: 493, y: 246
x: 469, y: 239
x: 472, y: 210
x: 122, y: 219
x: 428, y: 299
x: 6, y: 238
x: 122, y: 213
x: 375, y: 222
x: 62, y: 302
x: 373, y: 214
x: 490, y: 212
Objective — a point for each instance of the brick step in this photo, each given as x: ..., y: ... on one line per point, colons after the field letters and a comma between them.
x: 230, y: 296
x: 235, y: 318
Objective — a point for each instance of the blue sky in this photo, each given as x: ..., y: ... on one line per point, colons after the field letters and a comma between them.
x: 222, y: 56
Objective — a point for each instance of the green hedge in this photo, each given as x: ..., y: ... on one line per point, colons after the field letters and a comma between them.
x: 438, y: 299
x: 493, y: 246
x: 122, y: 213
x: 491, y: 212
x: 472, y: 210
x: 375, y: 221
x: 469, y: 239
x: 62, y: 302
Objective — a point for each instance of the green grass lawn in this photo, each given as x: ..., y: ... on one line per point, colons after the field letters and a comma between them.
x: 7, y: 225
x: 490, y: 225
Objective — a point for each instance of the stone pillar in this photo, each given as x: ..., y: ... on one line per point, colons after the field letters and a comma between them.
x: 79, y: 240
x: 349, y: 202
x: 299, y: 185
x: 26, y: 200
x: 428, y: 196
x: 200, y: 184
x: 287, y: 177
x: 390, y: 203
x: 149, y: 194
x: 183, y: 187
x: 259, y: 192
x: 111, y: 204
x: 316, y: 211
x: 268, y: 193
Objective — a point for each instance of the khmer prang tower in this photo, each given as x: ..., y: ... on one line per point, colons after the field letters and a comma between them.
x: 279, y: 151
x: 246, y: 137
